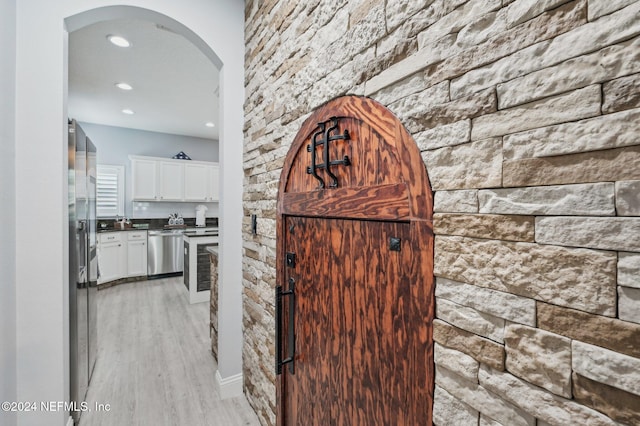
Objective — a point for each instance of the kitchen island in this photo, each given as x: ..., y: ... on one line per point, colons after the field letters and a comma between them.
x: 197, y: 266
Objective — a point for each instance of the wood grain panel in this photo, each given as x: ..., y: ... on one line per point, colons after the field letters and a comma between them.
x: 311, y: 363
x: 388, y: 171
x: 370, y: 360
x: 382, y: 151
x: 421, y: 282
x: 365, y: 157
x: 398, y: 328
x: 343, y: 286
x: 362, y: 323
x: 381, y: 202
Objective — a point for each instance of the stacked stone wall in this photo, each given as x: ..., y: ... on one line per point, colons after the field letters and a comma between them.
x: 527, y: 114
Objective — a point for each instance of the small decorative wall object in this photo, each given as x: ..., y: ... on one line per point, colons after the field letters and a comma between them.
x: 322, y: 138
x: 181, y: 156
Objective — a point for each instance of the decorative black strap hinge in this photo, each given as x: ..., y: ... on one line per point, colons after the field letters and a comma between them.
x: 327, y: 134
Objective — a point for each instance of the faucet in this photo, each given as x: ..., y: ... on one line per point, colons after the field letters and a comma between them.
x: 121, y: 221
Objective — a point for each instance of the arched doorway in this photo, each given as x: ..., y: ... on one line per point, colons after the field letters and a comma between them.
x: 173, y: 81
x: 42, y: 313
x: 229, y: 376
x: 354, y: 306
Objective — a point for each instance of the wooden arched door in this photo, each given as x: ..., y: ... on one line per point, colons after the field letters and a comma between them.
x: 354, y: 301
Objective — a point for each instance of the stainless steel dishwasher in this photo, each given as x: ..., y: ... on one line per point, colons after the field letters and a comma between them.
x: 164, y: 252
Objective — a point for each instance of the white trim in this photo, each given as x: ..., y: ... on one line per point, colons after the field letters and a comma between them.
x: 70, y: 421
x: 229, y: 387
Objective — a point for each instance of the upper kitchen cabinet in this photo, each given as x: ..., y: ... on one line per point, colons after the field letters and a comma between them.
x: 201, y: 182
x: 159, y: 179
x: 145, y: 176
x: 171, y: 177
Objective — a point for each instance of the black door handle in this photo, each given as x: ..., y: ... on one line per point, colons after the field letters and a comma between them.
x: 291, y: 335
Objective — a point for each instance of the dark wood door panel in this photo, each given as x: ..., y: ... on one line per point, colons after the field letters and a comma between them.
x: 355, y: 339
x: 373, y: 159
x: 311, y: 319
x: 384, y: 202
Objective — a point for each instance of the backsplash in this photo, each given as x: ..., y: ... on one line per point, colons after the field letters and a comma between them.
x: 149, y: 210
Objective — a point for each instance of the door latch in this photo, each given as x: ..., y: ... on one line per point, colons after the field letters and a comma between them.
x: 291, y: 260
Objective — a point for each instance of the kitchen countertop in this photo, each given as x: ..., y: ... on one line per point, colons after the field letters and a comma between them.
x: 103, y: 230
x: 189, y: 231
x: 153, y: 224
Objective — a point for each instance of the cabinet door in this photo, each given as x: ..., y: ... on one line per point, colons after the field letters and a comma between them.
x: 196, y: 182
x: 110, y: 261
x: 122, y: 256
x: 171, y: 181
x: 144, y: 174
x: 136, y: 258
x: 214, y: 182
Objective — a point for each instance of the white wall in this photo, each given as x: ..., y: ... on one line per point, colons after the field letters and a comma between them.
x: 115, y: 144
x: 41, y: 181
x: 8, y: 388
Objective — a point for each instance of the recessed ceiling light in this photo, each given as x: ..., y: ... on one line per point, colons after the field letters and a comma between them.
x: 118, y: 41
x: 210, y: 124
x: 124, y: 86
x: 127, y: 111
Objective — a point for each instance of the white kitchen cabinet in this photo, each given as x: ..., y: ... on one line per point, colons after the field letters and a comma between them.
x: 201, y: 182
x: 112, y: 256
x: 122, y: 254
x: 145, y: 175
x: 136, y: 253
x: 196, y: 179
x: 161, y: 179
x: 171, y: 177
x: 157, y: 180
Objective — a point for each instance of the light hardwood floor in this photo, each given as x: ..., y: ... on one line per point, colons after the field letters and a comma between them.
x: 154, y: 363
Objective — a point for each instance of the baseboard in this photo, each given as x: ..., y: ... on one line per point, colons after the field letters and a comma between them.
x: 70, y: 421
x: 229, y: 387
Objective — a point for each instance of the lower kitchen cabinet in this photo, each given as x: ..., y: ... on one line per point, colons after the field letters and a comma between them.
x: 112, y: 257
x: 136, y: 253
x: 121, y: 255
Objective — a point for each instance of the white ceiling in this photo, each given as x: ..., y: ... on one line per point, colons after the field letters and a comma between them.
x: 175, y: 86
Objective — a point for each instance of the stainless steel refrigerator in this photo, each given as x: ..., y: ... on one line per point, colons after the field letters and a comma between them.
x: 83, y: 262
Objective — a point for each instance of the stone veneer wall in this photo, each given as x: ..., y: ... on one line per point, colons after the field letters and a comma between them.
x: 213, y: 303
x: 528, y: 116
